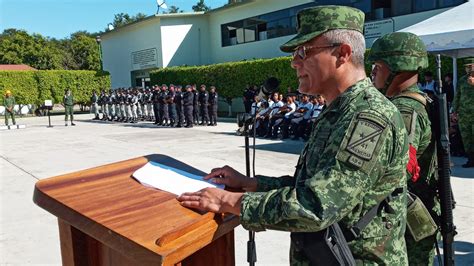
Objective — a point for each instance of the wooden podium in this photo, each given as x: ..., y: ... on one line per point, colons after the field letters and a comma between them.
x: 105, y: 217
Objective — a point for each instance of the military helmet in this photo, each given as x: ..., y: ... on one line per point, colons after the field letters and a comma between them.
x: 469, y: 61
x: 401, y: 51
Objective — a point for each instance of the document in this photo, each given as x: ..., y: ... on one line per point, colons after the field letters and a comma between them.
x: 170, y: 179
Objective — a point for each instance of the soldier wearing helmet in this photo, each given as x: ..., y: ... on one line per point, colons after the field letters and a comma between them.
x: 9, y: 103
x: 464, y: 108
x: 397, y: 58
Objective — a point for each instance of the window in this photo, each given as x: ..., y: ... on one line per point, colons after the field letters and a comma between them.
x: 262, y: 31
x: 401, y: 7
x: 450, y: 3
x: 250, y: 34
x: 283, y: 22
x: 423, y: 5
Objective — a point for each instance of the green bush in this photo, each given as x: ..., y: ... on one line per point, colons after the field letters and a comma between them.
x: 23, y: 85
x: 33, y: 87
x: 231, y: 78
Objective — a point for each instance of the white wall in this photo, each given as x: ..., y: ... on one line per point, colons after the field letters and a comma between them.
x: 185, y: 40
x: 118, y: 46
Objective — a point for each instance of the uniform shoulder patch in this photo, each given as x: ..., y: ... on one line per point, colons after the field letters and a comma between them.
x: 365, y: 135
x: 409, y: 116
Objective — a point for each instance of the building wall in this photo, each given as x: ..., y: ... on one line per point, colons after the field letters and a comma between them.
x: 117, y: 48
x: 260, y: 49
x: 185, y: 41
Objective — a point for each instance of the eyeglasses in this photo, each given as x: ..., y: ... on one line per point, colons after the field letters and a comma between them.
x: 301, y: 51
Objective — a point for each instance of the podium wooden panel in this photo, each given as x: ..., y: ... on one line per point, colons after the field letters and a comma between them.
x: 105, y: 217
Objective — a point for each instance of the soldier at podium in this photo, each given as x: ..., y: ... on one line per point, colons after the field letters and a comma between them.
x: 351, y: 173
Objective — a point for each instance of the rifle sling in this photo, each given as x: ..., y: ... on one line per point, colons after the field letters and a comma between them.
x: 355, y: 230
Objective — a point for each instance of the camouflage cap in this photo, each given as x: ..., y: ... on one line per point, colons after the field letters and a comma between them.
x: 312, y: 22
x: 401, y: 51
x: 469, y: 61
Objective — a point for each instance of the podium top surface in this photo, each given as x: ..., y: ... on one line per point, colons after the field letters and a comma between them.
x: 144, y: 223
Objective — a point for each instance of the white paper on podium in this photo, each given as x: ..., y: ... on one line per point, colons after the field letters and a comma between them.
x: 170, y: 179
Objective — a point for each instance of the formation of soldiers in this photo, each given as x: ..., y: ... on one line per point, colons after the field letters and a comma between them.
x: 172, y: 105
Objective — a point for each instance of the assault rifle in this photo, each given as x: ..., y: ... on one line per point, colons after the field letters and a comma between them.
x: 448, y: 230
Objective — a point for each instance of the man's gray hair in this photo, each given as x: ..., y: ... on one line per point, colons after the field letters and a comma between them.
x: 354, y: 38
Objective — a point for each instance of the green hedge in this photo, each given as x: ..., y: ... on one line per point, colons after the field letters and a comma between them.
x: 33, y: 87
x: 231, y: 78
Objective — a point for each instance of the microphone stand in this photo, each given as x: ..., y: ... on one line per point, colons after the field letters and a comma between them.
x: 251, y: 248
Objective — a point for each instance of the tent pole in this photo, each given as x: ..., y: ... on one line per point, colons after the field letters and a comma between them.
x: 455, y: 73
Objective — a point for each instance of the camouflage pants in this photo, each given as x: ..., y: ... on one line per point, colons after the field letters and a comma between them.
x: 12, y: 115
x: 149, y: 108
x: 421, y: 252
x: 466, y: 126
x: 69, y: 111
x: 95, y: 109
x: 111, y: 110
x: 105, y: 110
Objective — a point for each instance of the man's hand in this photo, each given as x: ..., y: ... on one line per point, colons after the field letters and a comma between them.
x: 212, y: 199
x: 231, y: 178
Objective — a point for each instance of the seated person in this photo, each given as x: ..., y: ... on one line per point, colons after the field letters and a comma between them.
x: 301, y: 117
x: 280, y: 118
x: 273, y: 108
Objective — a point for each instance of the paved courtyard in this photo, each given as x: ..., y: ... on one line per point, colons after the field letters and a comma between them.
x: 29, y: 235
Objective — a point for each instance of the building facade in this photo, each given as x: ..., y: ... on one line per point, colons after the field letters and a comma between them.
x: 241, y: 30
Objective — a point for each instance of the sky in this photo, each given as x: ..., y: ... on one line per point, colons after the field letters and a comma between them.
x: 59, y: 18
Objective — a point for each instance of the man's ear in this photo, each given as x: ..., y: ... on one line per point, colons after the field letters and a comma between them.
x: 345, y: 53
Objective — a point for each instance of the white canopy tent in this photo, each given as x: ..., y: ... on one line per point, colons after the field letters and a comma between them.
x: 450, y: 33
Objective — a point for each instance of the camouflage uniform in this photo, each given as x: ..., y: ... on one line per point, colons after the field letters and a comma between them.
x: 404, y: 52
x: 9, y: 103
x: 355, y: 158
x: 68, y: 101
x: 463, y: 105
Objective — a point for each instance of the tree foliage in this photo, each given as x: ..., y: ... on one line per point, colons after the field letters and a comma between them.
x: 173, y: 10
x: 78, y: 52
x: 201, y: 6
x: 18, y: 47
x: 122, y: 19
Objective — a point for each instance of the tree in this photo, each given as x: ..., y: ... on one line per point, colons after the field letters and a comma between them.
x: 123, y: 19
x: 173, y: 9
x: 201, y: 6
x: 18, y: 47
x: 78, y: 52
x: 84, y: 51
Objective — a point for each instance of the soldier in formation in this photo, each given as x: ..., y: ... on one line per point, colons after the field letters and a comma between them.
x: 165, y: 106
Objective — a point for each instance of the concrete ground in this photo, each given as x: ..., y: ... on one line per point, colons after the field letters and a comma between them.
x: 29, y: 235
